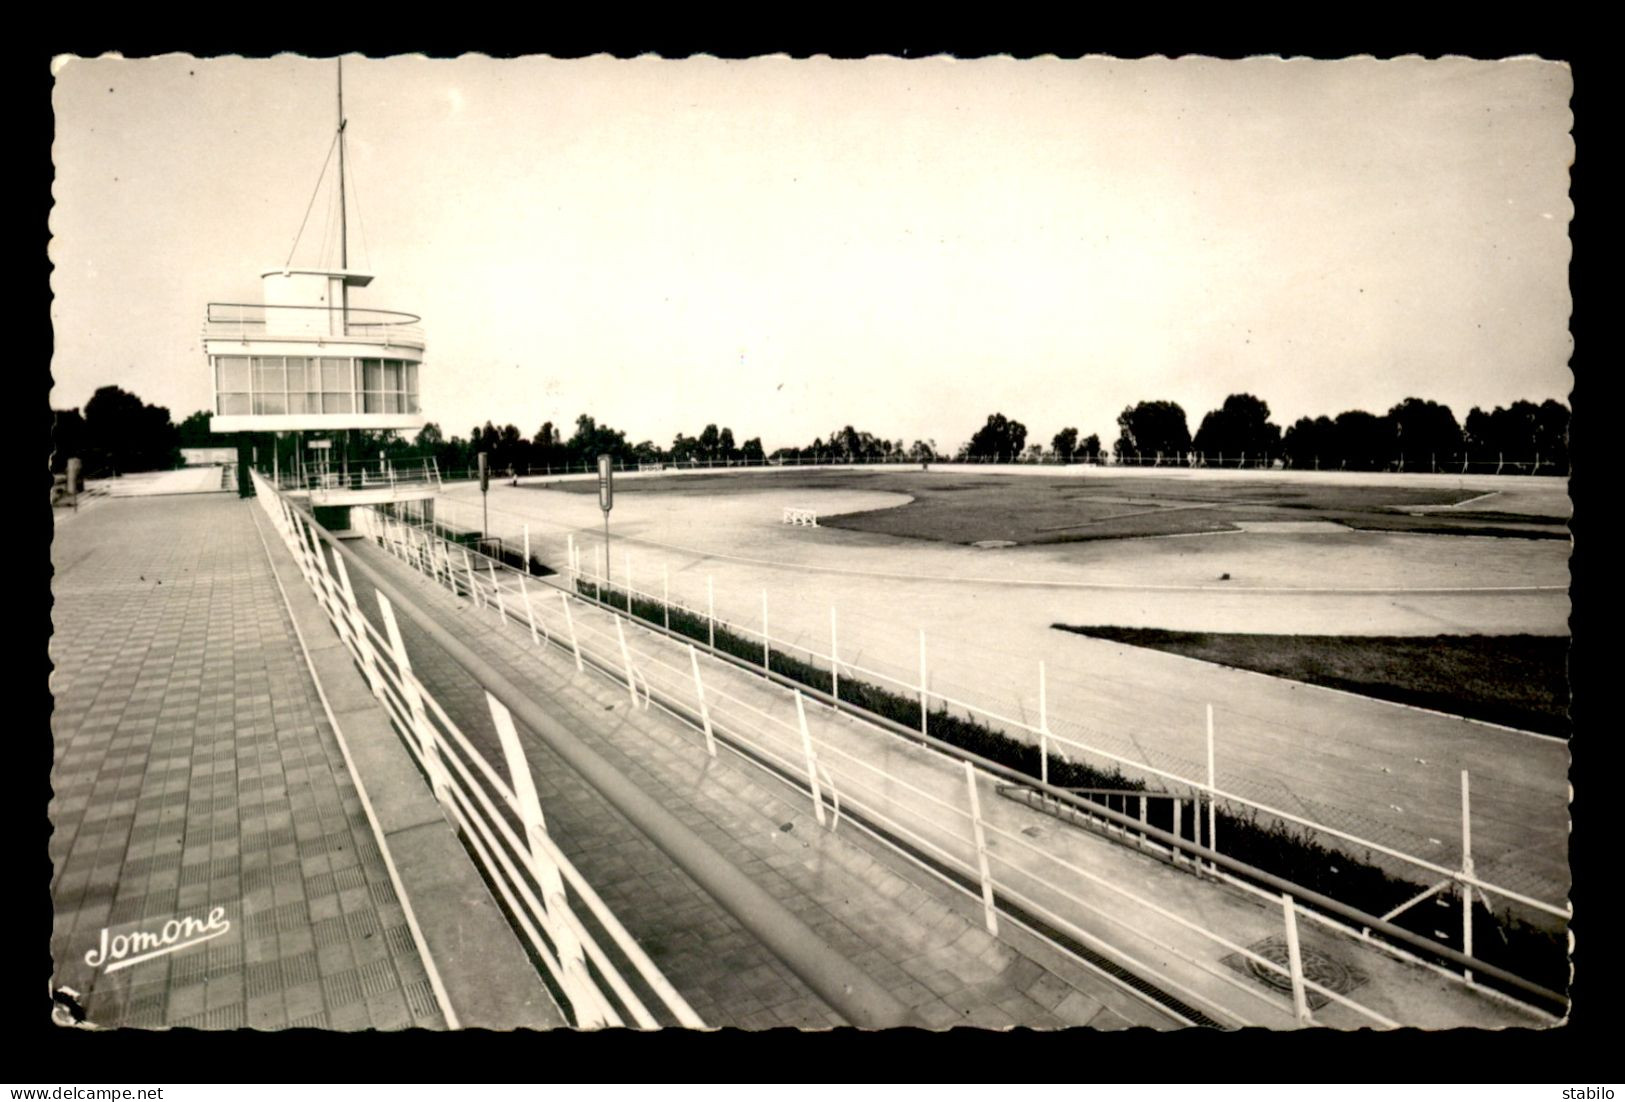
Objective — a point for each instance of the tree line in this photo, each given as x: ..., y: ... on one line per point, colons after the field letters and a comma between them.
x: 118, y: 433
x: 1415, y: 434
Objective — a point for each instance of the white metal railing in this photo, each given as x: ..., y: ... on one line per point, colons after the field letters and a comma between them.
x: 561, y: 917
x: 935, y: 816
x: 373, y: 474
x: 1052, y: 746
x: 353, y: 324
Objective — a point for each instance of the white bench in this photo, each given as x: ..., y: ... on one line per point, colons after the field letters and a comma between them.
x: 793, y: 515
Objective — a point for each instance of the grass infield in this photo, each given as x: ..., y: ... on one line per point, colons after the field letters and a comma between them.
x: 951, y: 506
x: 1515, y: 680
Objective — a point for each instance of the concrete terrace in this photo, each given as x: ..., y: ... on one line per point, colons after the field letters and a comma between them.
x: 195, y: 771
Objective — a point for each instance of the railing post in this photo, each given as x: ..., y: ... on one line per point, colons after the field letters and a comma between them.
x: 496, y: 588
x: 1043, y: 725
x: 570, y: 547
x: 699, y: 692
x: 765, y: 666
x: 665, y: 594
x: 626, y: 659
x: 1212, y: 786
x: 834, y: 662
x: 473, y: 587
x: 530, y: 617
x: 1294, y: 959
x: 1179, y: 825
x: 585, y: 997
x: 922, y: 683
x: 812, y: 760
x: 570, y: 622
x: 428, y: 748
x: 527, y: 549
x: 369, y: 658
x: 711, y: 612
x: 989, y: 913
x: 626, y: 561
x: 1466, y: 870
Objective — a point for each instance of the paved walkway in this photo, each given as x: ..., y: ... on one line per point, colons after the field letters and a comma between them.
x: 195, y: 775
x: 913, y: 934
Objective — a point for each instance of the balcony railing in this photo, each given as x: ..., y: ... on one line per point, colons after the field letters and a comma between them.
x: 256, y: 321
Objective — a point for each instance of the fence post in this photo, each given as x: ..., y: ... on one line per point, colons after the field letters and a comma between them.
x: 711, y: 611
x: 369, y: 659
x: 428, y: 750
x: 570, y: 549
x: 812, y: 760
x: 473, y: 588
x: 699, y: 692
x: 1294, y: 960
x: 626, y: 658
x: 989, y: 914
x: 572, y: 958
x: 1466, y: 870
x: 527, y: 549
x: 569, y: 622
x: 922, y: 683
x: 530, y: 617
x: 765, y: 666
x: 834, y: 662
x: 626, y: 561
x: 1212, y: 785
x: 1043, y: 726
x: 496, y: 588
x: 665, y: 594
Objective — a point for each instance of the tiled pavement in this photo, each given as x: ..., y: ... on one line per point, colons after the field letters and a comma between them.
x: 194, y: 769
x: 912, y: 934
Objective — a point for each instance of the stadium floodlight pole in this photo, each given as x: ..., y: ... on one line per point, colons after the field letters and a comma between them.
x: 606, y: 501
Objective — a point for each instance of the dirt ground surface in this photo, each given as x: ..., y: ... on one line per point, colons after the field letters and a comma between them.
x: 1381, y: 771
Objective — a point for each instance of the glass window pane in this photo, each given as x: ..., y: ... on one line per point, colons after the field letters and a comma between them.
x: 231, y: 373
x: 411, y: 378
x: 296, y: 402
x: 373, y: 374
x: 336, y: 376
x: 338, y: 403
x: 374, y: 402
x: 268, y: 375
x: 392, y: 375
x: 392, y: 401
x: 412, y: 404
x: 234, y: 403
x: 296, y: 373
x: 270, y: 403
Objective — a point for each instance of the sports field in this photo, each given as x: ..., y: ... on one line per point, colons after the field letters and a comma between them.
x: 970, y: 507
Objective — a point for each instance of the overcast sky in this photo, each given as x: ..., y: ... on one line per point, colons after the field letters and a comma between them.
x: 787, y: 247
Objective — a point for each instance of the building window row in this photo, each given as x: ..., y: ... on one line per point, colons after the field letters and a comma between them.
x: 314, y: 384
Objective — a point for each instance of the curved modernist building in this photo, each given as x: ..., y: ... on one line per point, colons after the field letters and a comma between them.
x: 304, y: 359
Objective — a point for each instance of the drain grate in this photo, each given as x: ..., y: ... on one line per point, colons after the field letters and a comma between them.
x: 1318, y: 967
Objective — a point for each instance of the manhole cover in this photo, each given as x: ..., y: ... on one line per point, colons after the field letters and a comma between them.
x: 1318, y: 967
x: 993, y: 544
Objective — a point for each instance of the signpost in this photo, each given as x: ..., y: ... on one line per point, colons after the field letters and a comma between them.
x: 485, y: 488
x: 606, y: 500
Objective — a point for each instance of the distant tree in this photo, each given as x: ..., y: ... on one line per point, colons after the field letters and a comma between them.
x: 1519, y: 432
x: 1241, y: 426
x: 1091, y: 448
x: 1000, y: 440
x: 1425, y: 433
x: 1311, y: 442
x: 725, y: 444
x: 710, y: 440
x: 125, y: 434
x: 592, y: 440
x: 1552, y: 435
x: 1065, y: 443
x: 1152, y: 427
x: 68, y: 440
x: 1363, y: 441
x: 751, y: 450
x: 923, y: 451
x: 428, y: 438
x: 194, y: 432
